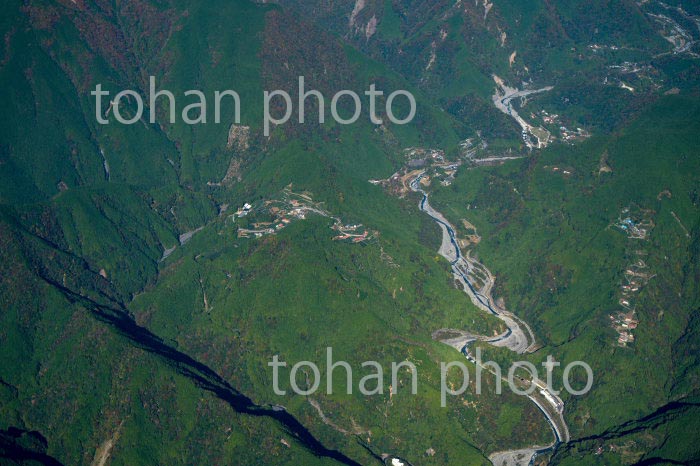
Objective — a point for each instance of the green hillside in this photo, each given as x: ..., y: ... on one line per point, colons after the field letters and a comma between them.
x: 141, y: 300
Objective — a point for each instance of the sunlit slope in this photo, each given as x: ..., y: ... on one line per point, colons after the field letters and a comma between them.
x: 568, y: 261
x: 90, y: 209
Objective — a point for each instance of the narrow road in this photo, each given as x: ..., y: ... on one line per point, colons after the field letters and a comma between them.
x: 502, y: 101
x: 518, y: 337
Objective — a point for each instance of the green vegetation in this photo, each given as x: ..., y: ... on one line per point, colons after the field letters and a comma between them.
x: 566, y: 262
x: 136, y: 325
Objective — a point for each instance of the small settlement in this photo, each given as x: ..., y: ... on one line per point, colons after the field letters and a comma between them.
x: 636, y: 223
x: 270, y: 216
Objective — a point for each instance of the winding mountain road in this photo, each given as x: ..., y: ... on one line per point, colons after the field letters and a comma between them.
x: 518, y: 337
x: 502, y: 100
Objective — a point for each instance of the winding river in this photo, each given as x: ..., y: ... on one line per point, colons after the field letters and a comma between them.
x: 518, y: 337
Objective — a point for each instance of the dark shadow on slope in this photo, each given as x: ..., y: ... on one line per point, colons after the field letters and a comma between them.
x: 203, y: 376
x: 651, y: 461
x: 113, y: 312
x: 20, y: 446
x: 658, y: 417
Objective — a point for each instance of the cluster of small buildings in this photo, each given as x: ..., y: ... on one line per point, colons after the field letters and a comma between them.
x: 351, y: 233
x: 566, y: 134
x: 596, y: 47
x: 632, y: 229
x: 633, y: 225
x: 525, y: 135
x: 275, y: 215
x: 396, y: 184
x: 636, y: 276
x: 447, y: 181
x: 243, y: 211
x: 282, y: 213
x: 547, y: 118
x: 419, y: 157
x: 431, y: 164
x: 447, y: 174
x: 468, y: 148
x: 624, y: 323
x: 570, y: 136
x: 629, y: 67
x: 435, y: 155
x: 563, y: 171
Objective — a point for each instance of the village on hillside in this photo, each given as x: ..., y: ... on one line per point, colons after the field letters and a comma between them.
x: 255, y: 220
x: 636, y: 223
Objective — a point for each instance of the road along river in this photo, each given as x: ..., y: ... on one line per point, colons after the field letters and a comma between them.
x: 502, y: 100
x: 518, y: 337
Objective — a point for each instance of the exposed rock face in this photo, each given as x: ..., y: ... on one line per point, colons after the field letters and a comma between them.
x: 238, y: 137
x: 359, y: 6
x: 371, y: 27
x: 233, y: 172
